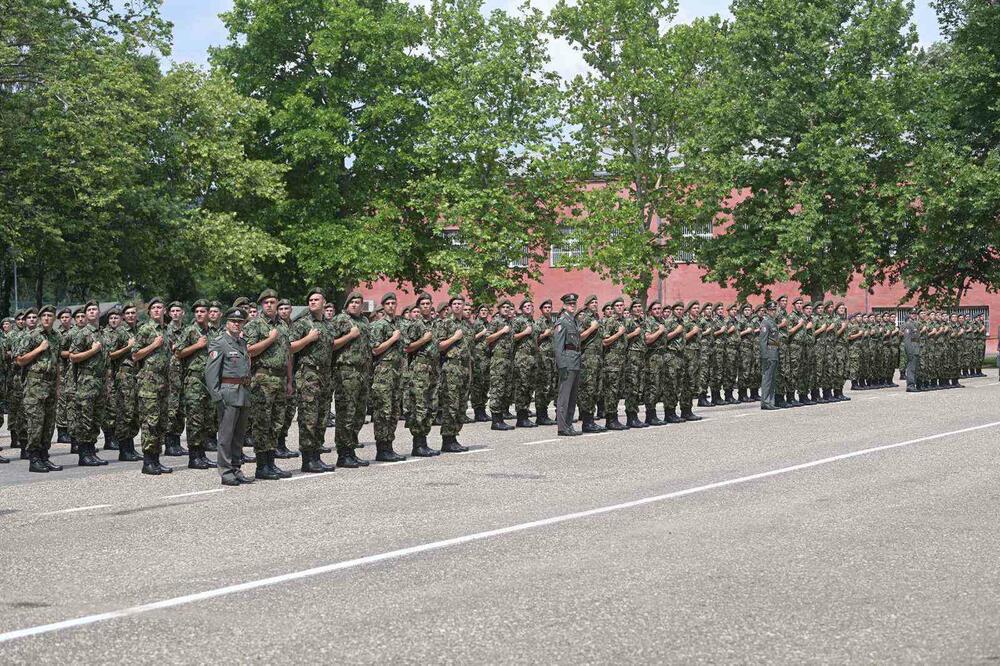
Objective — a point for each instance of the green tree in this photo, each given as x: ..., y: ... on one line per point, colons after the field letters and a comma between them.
x: 632, y: 116
x: 810, y: 120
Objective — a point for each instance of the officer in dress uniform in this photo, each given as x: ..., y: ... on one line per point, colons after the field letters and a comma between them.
x: 770, y: 362
x: 566, y: 349
x: 227, y: 376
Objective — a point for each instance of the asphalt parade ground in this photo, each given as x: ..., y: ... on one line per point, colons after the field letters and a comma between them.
x: 864, y: 531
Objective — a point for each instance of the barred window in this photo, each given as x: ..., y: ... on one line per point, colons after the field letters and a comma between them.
x: 693, y: 232
x: 568, y: 247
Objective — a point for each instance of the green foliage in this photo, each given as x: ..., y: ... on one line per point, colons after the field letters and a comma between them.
x: 810, y: 117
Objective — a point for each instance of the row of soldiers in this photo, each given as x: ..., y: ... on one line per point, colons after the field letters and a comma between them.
x: 77, y: 373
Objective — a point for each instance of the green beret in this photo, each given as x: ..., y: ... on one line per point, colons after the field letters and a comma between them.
x: 442, y: 307
x: 200, y: 303
x: 241, y: 302
x: 524, y: 302
x: 772, y: 305
x: 406, y: 310
x: 354, y: 295
x: 90, y: 303
x: 547, y: 301
x: 315, y: 290
x: 31, y: 311
x: 47, y: 309
x: 618, y: 300
x: 284, y: 301
x: 569, y: 299
x: 798, y: 299
x: 153, y: 301
x: 378, y: 310
x: 391, y: 296
x: 694, y: 303
x: 590, y: 299
x: 19, y: 314
x: 235, y: 314
x: 609, y: 304
x: 732, y: 306
x: 266, y: 294
x: 424, y: 296
x: 62, y: 311
x: 504, y: 302
x: 175, y: 304
x: 78, y: 310
x: 649, y: 306
x: 114, y: 310
x: 456, y: 297
x: 706, y: 306
x: 215, y: 304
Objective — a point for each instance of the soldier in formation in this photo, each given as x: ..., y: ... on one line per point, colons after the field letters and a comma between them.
x: 82, y: 372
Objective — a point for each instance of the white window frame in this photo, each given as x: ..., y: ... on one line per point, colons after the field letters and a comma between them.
x: 557, y: 252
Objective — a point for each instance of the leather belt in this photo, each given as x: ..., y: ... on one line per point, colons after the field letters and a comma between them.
x: 234, y: 380
x: 571, y: 348
x: 271, y: 372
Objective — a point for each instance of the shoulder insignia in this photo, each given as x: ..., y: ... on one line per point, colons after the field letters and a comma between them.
x: 213, y: 353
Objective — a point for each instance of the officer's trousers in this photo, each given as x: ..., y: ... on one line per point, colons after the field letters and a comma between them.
x: 912, y: 370
x: 569, y: 381
x: 769, y: 377
x: 232, y: 428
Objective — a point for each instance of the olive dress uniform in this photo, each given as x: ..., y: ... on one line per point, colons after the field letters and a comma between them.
x: 227, y: 377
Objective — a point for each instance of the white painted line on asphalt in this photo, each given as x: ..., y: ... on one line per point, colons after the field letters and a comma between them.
x: 74, y: 510
x: 739, y: 416
x: 540, y: 441
x: 302, y: 476
x: 456, y: 541
x: 470, y: 451
x: 197, y: 492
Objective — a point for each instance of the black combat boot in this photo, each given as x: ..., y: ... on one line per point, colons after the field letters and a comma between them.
x: 311, y: 463
x: 805, y: 397
x: 44, y: 453
x: 840, y: 396
x: 779, y: 400
x: 74, y: 447
x: 522, y: 420
x: 755, y: 396
x: 703, y: 400
x: 733, y: 399
x: 212, y: 443
x: 354, y: 453
x: 790, y: 400
x: 63, y: 436
x: 688, y: 415
x: 449, y: 444
x: 245, y: 459
x: 670, y: 416
x: 716, y: 399
x: 24, y: 452
x: 632, y: 420
x: 274, y: 468
x: 149, y: 464
x: 172, y: 446
x: 163, y: 468
x: 600, y: 412
x: 590, y: 426
x: 481, y: 416
x: 87, y: 456
x: 127, y: 452
x: 264, y: 471
x: 110, y: 443
x: 195, y: 459
x: 385, y: 453
x: 614, y: 424
x: 282, y: 452
x: 651, y: 418
x: 543, y: 418
x: 498, y: 423
x: 746, y: 396
x: 37, y: 464
x: 421, y: 450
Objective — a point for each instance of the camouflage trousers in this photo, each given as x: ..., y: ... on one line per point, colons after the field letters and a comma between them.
x: 352, y: 404
x: 175, y: 401
x: 839, y: 373
x: 39, y: 409
x: 653, y: 380
x: 267, y: 409
x: 15, y: 405
x: 64, y: 394
x: 545, y: 381
x: 747, y: 377
x: 501, y: 379
x: 386, y: 381
x: 807, y: 369
x: 311, y: 390
x: 590, y: 384
x: 126, y: 405
x: 791, y: 367
x: 612, y: 389
x: 853, y: 362
x: 404, y: 387
x: 454, y: 382
x: 110, y: 406
x: 525, y: 370
x: 199, y: 410
x: 692, y: 376
x: 673, y: 379
x: 632, y: 380
x: 88, y: 407
x: 710, y: 377
x: 291, y: 405
x: 730, y: 356
x: 153, y: 392
x: 423, y: 387
x: 480, y: 388
x: 822, y: 378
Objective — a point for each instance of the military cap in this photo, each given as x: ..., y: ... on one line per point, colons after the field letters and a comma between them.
x: 175, y: 304
x: 827, y: 304
x: 423, y: 296
x: 459, y: 297
x: 607, y: 306
x: 114, y: 310
x: 649, y: 306
x: 354, y: 295
x: 634, y: 303
x: 153, y: 301
x: 200, y: 303
x: 235, y: 314
x: 406, y: 310
x: 568, y: 299
x: 690, y: 305
x: 30, y: 311
x: 19, y: 314
x: 772, y: 305
x: 744, y: 306
x: 241, y: 302
x: 267, y: 293
x: 378, y: 310
x: 783, y: 296
x: 62, y: 310
x: 547, y: 301
x: 504, y: 302
x: 78, y: 310
x: 732, y: 306
x: 215, y: 304
x: 315, y: 290
x: 618, y: 300
x: 590, y: 299
x: 442, y: 307
x: 284, y: 301
x: 841, y: 303
x: 47, y: 308
x: 91, y: 302
x: 129, y: 304
x: 391, y: 296
x: 798, y: 299
x: 705, y: 306
x: 678, y: 304
x: 524, y: 302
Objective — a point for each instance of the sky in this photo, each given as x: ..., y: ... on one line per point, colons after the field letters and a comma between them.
x: 197, y: 26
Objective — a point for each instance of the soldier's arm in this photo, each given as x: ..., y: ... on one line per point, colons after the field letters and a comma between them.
x: 419, y: 343
x: 693, y: 332
x: 184, y: 352
x: 590, y: 330
x: 677, y: 331
x: 29, y: 357
x: 611, y: 339
x: 634, y: 333
x: 304, y: 339
x: 502, y: 331
x: 80, y: 357
x: 213, y: 371
x: 384, y: 346
x: 258, y: 348
x: 655, y: 335
x: 120, y: 352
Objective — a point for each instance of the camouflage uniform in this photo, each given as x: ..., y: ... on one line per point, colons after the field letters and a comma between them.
x: 267, y: 384
x: 635, y: 361
x: 455, y: 376
x: 387, y: 378
x: 351, y: 369
x: 88, y: 380
x: 653, y: 368
x: 480, y: 369
x: 15, y: 392
x: 692, y: 367
x: 501, y: 367
x: 199, y: 411
x: 614, y: 366
x: 423, y: 370
x: 545, y: 373
x: 64, y: 390
x: 39, y: 388
x: 525, y: 364
x: 313, y: 370
x: 175, y: 399
x: 673, y: 372
x: 126, y: 396
x: 152, y: 386
x: 591, y: 358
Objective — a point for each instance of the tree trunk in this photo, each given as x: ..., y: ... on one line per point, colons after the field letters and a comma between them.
x: 39, y: 285
x: 816, y: 294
